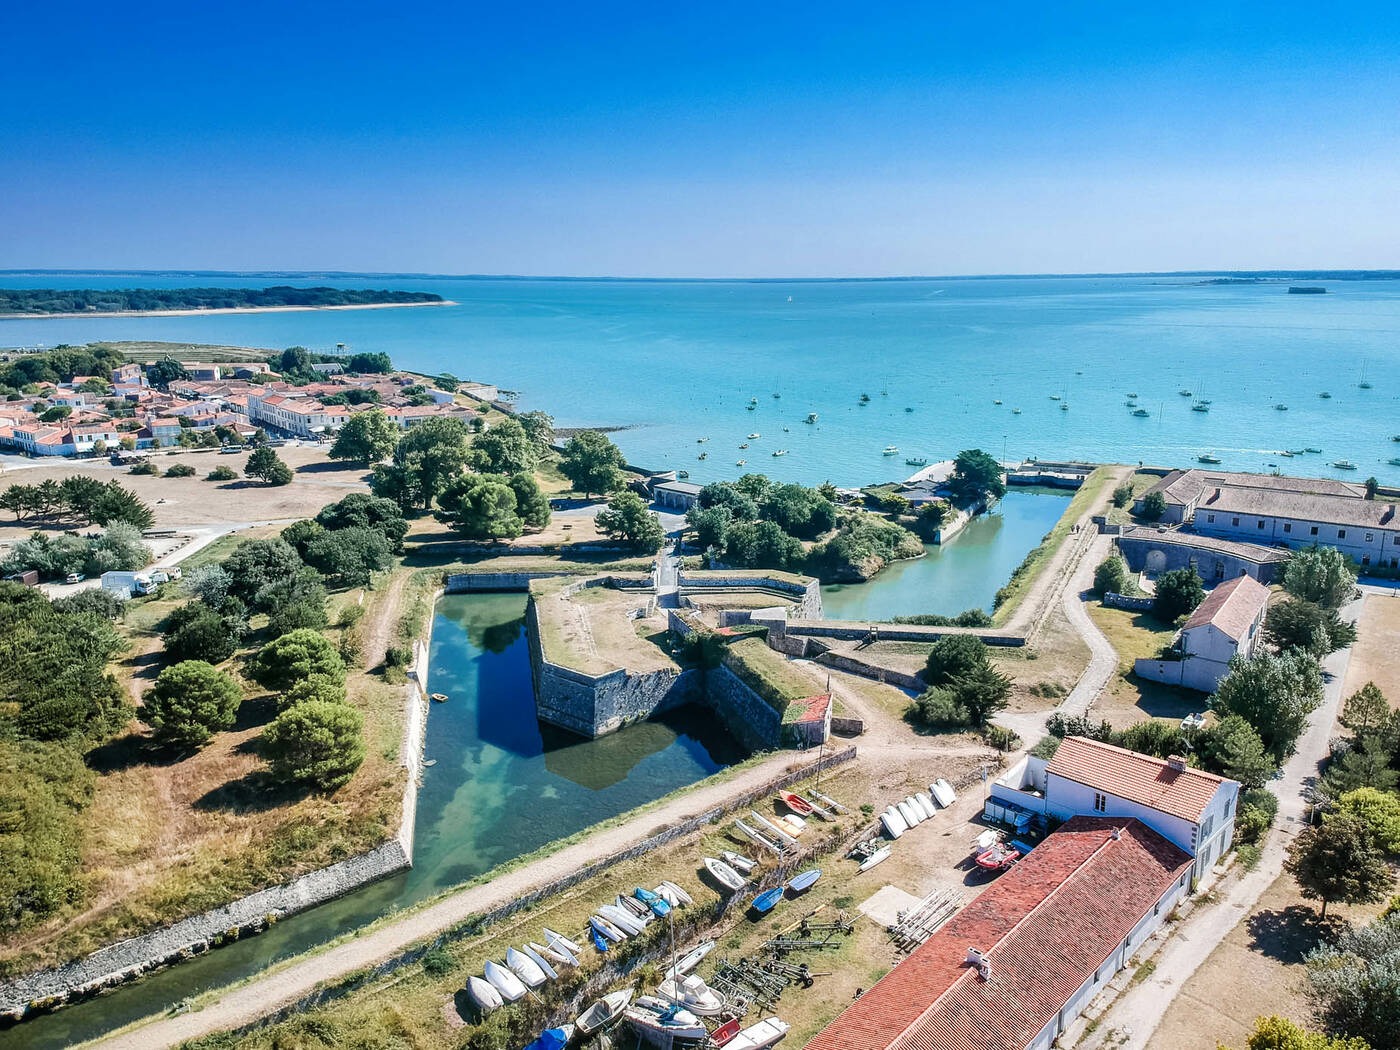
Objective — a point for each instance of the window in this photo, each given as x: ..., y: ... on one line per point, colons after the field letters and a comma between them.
x: 1210, y: 519
x: 1234, y: 521
x: 1369, y: 537
x: 1288, y: 526
x: 1206, y: 827
x: 1312, y: 531
x: 1100, y: 802
x: 1341, y: 534
x: 1261, y: 524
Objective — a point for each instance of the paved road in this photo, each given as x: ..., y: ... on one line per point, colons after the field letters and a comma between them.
x: 1130, y: 1021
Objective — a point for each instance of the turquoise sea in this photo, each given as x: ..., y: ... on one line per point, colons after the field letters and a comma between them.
x: 675, y: 361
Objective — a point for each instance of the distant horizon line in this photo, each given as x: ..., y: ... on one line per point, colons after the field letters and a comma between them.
x: 1320, y: 274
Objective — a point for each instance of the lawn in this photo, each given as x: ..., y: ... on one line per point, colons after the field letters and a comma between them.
x: 1128, y: 699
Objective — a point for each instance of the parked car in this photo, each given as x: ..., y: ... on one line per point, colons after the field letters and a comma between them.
x: 74, y: 577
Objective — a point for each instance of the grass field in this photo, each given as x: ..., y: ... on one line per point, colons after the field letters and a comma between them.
x: 1128, y: 699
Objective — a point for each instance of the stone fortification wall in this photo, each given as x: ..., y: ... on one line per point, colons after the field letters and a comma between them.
x: 805, y: 592
x: 1133, y: 603
x: 747, y: 716
x: 854, y: 665
x: 854, y: 631
x: 468, y: 582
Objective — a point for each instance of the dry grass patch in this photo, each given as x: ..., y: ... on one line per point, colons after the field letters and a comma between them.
x: 1126, y: 698
x: 1045, y: 668
x: 1378, y: 640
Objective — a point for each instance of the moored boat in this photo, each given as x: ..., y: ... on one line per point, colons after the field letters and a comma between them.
x: 916, y: 461
x: 1207, y: 457
x: 890, y: 450
x: 1344, y: 464
x: 1141, y: 413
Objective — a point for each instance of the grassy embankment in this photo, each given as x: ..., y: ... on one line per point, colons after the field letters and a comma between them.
x: 1033, y: 567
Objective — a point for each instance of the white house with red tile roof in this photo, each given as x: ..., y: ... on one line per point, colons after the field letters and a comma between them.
x: 1227, y: 624
x: 1190, y: 808
x: 1016, y: 966
x: 302, y: 416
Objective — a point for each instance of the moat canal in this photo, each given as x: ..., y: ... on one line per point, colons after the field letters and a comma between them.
x: 963, y: 574
x: 502, y: 785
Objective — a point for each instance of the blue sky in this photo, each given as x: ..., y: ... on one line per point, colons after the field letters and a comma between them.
x: 708, y: 139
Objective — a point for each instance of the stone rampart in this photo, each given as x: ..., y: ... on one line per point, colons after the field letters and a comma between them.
x: 1132, y: 603
x: 804, y: 591
x: 855, y: 631
x: 854, y: 665
x: 747, y: 716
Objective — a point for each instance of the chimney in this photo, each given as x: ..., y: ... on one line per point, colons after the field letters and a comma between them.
x: 1177, y: 763
x: 974, y: 957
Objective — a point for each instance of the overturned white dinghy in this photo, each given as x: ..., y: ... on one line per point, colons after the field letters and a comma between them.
x: 943, y: 792
x: 505, y: 982
x: 926, y: 804
x: 525, y: 968
x: 484, y: 994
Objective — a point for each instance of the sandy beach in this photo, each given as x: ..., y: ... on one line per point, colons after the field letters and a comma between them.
x: 219, y: 310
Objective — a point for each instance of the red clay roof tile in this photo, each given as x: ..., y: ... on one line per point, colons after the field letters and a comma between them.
x: 1136, y: 777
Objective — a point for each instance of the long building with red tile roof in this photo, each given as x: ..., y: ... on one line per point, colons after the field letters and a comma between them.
x: 1014, y: 968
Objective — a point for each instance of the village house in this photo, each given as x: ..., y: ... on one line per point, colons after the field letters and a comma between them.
x: 1227, y: 624
x: 1016, y: 966
x: 1190, y: 808
x: 294, y: 414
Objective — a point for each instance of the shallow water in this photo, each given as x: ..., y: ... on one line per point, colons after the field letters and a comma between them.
x: 502, y: 786
x: 680, y: 360
x: 964, y: 573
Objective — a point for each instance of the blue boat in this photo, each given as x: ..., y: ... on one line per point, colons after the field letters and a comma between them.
x: 552, y: 1039
x: 804, y: 882
x: 767, y: 900
x: 658, y: 906
x: 599, y: 941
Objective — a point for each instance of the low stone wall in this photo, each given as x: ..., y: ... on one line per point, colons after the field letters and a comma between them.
x: 855, y: 665
x: 468, y: 582
x: 847, y: 726
x: 128, y: 959
x: 806, y: 594
x: 1132, y: 603
x: 854, y: 631
x: 747, y: 716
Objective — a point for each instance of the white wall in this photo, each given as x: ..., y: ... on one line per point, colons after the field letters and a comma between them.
x: 1068, y: 798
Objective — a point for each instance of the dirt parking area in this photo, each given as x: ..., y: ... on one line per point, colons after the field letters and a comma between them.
x: 1255, y: 972
x: 195, y: 501
x: 1378, y: 640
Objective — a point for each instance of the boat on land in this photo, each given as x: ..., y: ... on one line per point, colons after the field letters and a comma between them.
x: 1141, y: 413
x: 986, y: 840
x: 916, y: 461
x: 926, y: 802
x: 997, y: 857
x: 505, y: 982
x: 805, y: 881
x: 634, y: 908
x: 795, y: 825
x: 740, y: 863
x: 679, y: 893
x: 1207, y: 457
x: 890, y: 450
x: 783, y: 836
x: 824, y: 814
x: 767, y: 900
x: 661, y: 1023
x: 689, y: 960
x: 693, y: 994
x: 553, y: 1038
x: 525, y: 968
x: 828, y: 800
x: 756, y: 837
x: 604, y: 1012
x: 440, y: 697
x: 912, y: 816
x: 1344, y: 464
x: 556, y: 940
x: 893, y: 824
x: 601, y: 925
x: 724, y: 874
x: 796, y: 803
x: 484, y: 994
x: 943, y: 792
x: 555, y: 952
x: 540, y: 961
x: 758, y: 1036
x: 878, y: 857
x: 659, y: 906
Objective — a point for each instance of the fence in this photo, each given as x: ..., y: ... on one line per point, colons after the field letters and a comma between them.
x: 473, y: 926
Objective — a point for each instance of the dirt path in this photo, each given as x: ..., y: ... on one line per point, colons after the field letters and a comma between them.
x: 383, y: 618
x: 1129, y: 1022
x: 274, y: 989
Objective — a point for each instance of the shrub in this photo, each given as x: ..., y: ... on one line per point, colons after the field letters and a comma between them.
x: 296, y: 615
x: 189, y: 702
x: 1123, y: 494
x: 937, y: 709
x: 1154, y: 505
x: 314, y: 687
x: 1111, y: 576
x: 438, y: 962
x: 144, y: 467
x: 180, y: 470
x: 953, y: 657
x: 196, y: 632
x: 1001, y: 738
x: 315, y: 743
x: 222, y: 473
x: 398, y: 656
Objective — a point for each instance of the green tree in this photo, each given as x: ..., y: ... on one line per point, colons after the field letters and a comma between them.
x: 1178, y: 593
x: 1297, y: 624
x: 1378, y: 810
x: 314, y: 687
x: 1279, y: 1033
x: 976, y: 476
x: 349, y: 556
x: 954, y: 657
x: 530, y: 502
x: 540, y: 428
x: 195, y: 631
x: 117, y: 503
x: 189, y: 702
x: 366, y: 511
x: 937, y: 709
x: 1338, y: 861
x: 982, y: 692
x: 505, y: 448
x: 797, y: 510
x: 741, y: 506
x: 1111, y: 577
x: 1372, y: 485
x: 426, y: 460
x: 1274, y: 694
x: 1365, y: 709
x: 1323, y: 575
x: 367, y: 437
x: 315, y: 743
x: 762, y: 545
x: 1123, y: 494
x: 1154, y: 505
x: 162, y: 373
x: 294, y: 656
x: 711, y: 525
x: 1366, y: 764
x: 480, y: 507
x: 931, y: 518
x: 1355, y: 989
x: 592, y: 463
x: 254, y: 564
x: 265, y: 465
x: 627, y: 518
x: 1233, y: 749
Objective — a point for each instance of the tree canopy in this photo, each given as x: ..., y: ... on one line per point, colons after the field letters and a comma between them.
x: 426, y: 460
x: 1338, y: 862
x: 1274, y: 694
x: 592, y: 463
x: 1356, y: 982
x: 294, y: 656
x: 366, y: 437
x: 1179, y: 591
x: 954, y: 656
x: 1317, y: 630
x: 505, y: 448
x: 627, y: 518
x: 267, y: 466
x: 480, y: 507
x: 189, y: 702
x: 976, y: 476
x: 315, y: 743
x: 1323, y: 575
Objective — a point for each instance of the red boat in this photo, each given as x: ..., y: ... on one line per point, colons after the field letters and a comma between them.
x: 796, y: 803
x: 726, y: 1032
x: 997, y: 857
